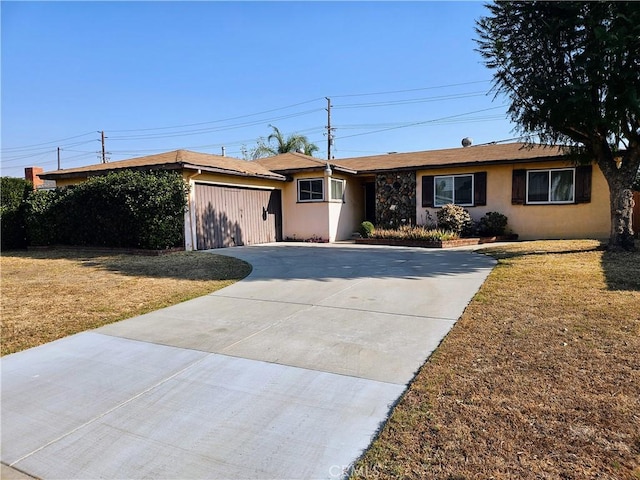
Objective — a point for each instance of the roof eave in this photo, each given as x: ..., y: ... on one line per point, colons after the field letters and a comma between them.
x: 62, y: 174
x: 464, y: 164
x: 337, y: 168
x: 223, y: 171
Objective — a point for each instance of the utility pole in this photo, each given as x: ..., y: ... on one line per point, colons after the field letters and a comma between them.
x: 104, y: 154
x: 329, y: 129
x: 58, y: 158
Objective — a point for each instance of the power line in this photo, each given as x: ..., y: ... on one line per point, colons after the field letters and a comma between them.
x: 367, y: 126
x: 29, y: 147
x: 413, y: 100
x: 411, y: 90
x: 211, y: 130
x: 38, y: 150
x: 221, y: 120
x: 422, y: 122
x: 59, y: 142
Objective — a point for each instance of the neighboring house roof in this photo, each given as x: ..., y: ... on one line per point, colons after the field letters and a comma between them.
x: 177, y: 159
x: 464, y: 156
x: 294, y: 162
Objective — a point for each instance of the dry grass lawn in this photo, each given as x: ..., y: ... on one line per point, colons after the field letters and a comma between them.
x: 540, y: 379
x: 49, y: 294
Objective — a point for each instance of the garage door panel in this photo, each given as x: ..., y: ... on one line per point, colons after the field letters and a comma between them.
x: 229, y: 216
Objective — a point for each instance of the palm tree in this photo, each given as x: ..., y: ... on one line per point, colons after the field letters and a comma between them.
x: 292, y: 143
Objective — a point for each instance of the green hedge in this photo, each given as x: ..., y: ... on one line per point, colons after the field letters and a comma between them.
x: 122, y: 209
x: 13, y: 192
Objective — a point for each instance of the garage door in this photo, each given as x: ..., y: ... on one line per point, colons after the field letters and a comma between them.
x: 230, y: 216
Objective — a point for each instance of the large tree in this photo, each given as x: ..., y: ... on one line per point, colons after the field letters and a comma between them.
x: 292, y: 143
x: 571, y: 71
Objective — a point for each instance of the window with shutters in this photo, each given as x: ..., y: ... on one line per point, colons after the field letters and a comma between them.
x: 456, y: 189
x: 551, y: 186
x: 468, y: 190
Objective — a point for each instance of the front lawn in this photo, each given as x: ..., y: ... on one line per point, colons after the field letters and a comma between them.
x: 49, y: 294
x: 540, y: 378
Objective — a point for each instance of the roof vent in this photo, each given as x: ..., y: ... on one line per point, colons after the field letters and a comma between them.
x: 466, y: 141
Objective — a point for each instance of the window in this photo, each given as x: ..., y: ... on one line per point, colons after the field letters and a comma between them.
x: 551, y: 186
x: 469, y: 189
x: 337, y: 189
x: 311, y: 190
x: 456, y: 189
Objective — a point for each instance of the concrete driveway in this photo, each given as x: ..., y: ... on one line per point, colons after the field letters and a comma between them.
x: 286, y: 374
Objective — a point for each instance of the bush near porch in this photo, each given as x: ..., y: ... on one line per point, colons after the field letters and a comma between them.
x: 453, y: 223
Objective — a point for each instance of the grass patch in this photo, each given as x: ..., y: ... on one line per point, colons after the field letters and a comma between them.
x: 49, y: 294
x: 540, y: 378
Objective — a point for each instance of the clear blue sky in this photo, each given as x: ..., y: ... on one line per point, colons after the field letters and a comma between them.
x: 158, y: 76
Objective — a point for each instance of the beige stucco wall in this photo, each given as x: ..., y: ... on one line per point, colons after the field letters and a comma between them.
x: 331, y: 220
x: 65, y: 182
x: 304, y: 220
x: 345, y: 217
x: 585, y: 220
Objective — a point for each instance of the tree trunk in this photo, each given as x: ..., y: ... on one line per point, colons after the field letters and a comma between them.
x: 620, y: 178
x: 621, y: 218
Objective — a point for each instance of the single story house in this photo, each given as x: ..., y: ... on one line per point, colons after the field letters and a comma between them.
x: 298, y: 197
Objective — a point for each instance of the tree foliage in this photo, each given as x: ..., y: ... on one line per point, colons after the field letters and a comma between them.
x: 122, y: 209
x: 276, y: 144
x: 571, y: 71
x: 13, y: 192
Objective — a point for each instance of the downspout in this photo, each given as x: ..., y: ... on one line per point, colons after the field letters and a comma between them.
x: 192, y: 213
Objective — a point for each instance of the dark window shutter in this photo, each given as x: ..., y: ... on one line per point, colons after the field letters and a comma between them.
x: 480, y: 188
x: 519, y: 187
x: 583, y: 183
x: 427, y: 191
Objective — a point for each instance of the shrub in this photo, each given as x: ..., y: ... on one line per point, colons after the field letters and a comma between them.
x: 39, y: 217
x: 492, y: 224
x: 12, y: 231
x: 455, y: 219
x: 366, y: 229
x: 122, y: 209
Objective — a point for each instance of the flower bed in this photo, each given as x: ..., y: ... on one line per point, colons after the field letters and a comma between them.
x: 460, y: 242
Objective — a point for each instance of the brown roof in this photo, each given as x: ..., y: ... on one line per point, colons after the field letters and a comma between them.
x: 297, y: 162
x: 464, y: 156
x: 176, y: 159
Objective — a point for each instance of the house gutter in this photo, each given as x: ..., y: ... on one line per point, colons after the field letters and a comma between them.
x: 476, y: 163
x: 235, y: 173
x: 335, y: 168
x: 164, y: 166
x: 77, y: 173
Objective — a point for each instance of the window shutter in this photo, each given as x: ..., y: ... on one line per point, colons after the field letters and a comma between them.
x: 519, y: 187
x: 427, y: 191
x: 583, y: 183
x: 480, y: 188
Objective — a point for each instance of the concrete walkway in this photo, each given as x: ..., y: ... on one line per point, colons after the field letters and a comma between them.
x: 286, y: 374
